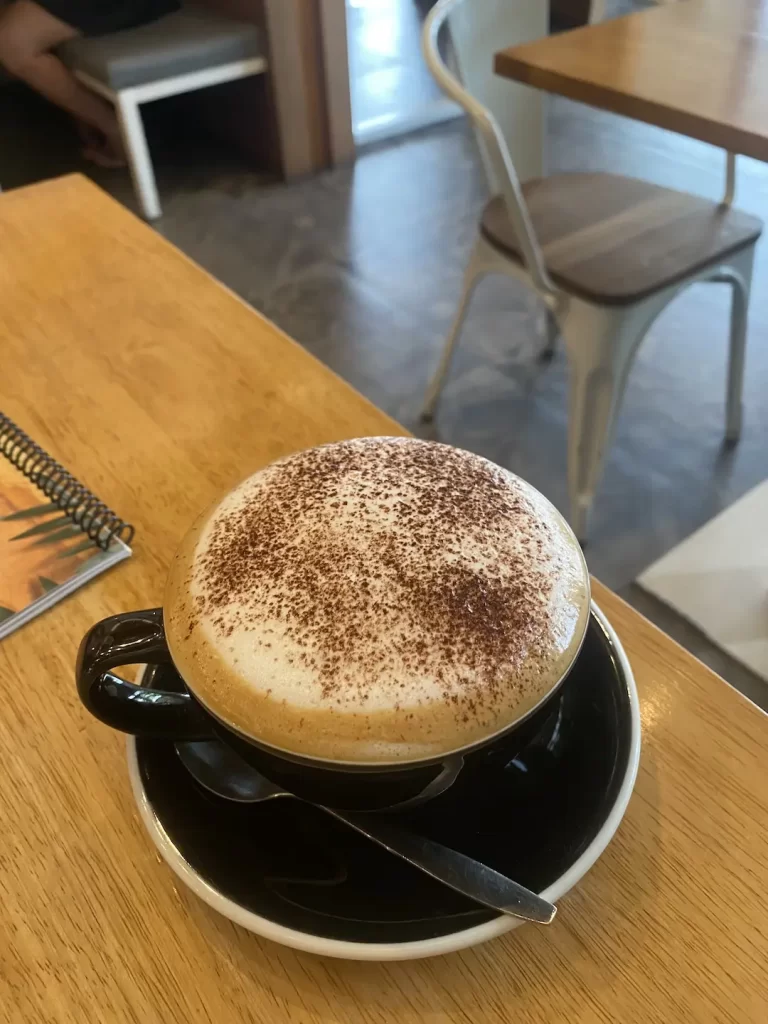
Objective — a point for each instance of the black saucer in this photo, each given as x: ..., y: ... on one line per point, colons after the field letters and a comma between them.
x: 531, y: 818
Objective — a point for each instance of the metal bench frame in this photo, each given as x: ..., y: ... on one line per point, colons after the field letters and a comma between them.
x: 127, y: 102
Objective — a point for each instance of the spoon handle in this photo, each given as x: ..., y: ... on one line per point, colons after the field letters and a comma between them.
x: 454, y: 869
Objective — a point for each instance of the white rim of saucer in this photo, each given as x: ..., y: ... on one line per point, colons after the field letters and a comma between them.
x: 382, y: 951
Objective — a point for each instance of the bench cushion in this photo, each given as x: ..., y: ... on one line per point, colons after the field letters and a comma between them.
x: 191, y: 39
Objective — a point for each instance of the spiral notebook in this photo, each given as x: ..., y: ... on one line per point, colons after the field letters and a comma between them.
x: 55, y: 535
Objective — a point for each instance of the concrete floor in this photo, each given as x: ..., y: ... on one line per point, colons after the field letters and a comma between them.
x: 362, y: 265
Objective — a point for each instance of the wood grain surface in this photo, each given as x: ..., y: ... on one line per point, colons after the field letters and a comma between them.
x: 698, y: 67
x: 615, y: 240
x: 161, y: 390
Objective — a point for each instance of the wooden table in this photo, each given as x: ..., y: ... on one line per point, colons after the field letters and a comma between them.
x: 161, y: 389
x: 698, y: 67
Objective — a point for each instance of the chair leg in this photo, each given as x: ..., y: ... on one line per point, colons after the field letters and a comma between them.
x: 135, y: 142
x: 601, y: 344
x: 551, y: 334
x: 472, y: 276
x: 741, y: 283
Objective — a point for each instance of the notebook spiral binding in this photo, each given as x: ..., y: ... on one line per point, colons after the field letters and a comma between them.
x: 65, y: 491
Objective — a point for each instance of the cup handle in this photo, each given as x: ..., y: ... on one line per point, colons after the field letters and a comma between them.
x: 129, y: 639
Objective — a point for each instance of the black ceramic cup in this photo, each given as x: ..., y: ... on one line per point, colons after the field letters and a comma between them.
x: 169, y: 709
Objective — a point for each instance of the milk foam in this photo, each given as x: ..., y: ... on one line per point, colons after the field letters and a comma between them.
x: 382, y: 599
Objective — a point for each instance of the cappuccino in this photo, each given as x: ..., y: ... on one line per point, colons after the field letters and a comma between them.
x: 378, y: 600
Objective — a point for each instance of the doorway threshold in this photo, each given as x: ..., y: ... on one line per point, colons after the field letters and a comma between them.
x: 391, y: 126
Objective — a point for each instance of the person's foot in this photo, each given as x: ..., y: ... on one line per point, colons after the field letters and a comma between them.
x: 103, y: 150
x: 113, y: 147
x: 102, y: 157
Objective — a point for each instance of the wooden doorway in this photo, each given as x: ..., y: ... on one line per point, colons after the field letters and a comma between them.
x: 310, y: 83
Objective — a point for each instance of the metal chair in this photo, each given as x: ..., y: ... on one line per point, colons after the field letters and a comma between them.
x: 190, y: 49
x: 605, y: 253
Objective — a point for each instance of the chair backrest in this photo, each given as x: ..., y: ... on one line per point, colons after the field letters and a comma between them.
x: 479, y: 28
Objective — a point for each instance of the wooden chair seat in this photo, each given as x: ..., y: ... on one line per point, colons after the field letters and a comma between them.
x: 614, y: 240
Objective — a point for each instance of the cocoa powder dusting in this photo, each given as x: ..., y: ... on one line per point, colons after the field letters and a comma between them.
x: 387, y: 557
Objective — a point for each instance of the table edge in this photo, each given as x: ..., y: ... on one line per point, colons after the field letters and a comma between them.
x: 512, y: 64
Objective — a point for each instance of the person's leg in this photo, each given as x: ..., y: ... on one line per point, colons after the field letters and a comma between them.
x: 27, y: 35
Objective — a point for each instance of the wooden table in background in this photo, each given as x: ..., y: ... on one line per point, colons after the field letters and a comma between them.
x: 698, y: 67
x: 160, y: 389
